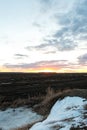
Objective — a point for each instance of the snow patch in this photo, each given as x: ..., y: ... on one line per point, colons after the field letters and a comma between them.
x: 64, y: 114
x: 18, y: 117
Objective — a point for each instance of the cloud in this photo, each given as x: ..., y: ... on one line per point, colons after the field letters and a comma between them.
x: 80, y: 19
x: 83, y: 59
x: 54, y: 45
x: 44, y: 48
x: 73, y: 27
x: 76, y: 19
x: 18, y: 56
x: 62, y: 44
x: 56, y: 5
x: 55, y: 65
x: 40, y: 64
x: 38, y: 47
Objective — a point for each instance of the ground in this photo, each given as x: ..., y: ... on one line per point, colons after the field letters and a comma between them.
x: 39, y: 90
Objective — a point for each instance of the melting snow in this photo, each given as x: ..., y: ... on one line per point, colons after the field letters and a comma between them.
x: 14, y: 118
x: 64, y: 114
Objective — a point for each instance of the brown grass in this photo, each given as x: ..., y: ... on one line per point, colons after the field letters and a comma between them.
x: 29, y: 102
x: 52, y: 97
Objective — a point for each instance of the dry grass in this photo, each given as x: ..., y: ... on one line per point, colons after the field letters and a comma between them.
x: 51, y: 97
x: 29, y: 102
x: 43, y: 100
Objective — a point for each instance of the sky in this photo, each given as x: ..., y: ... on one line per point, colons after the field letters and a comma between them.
x: 43, y: 36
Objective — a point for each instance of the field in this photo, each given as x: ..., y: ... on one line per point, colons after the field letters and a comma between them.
x: 30, y: 88
x: 39, y: 91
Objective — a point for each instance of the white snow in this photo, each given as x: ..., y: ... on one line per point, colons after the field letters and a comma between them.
x: 18, y: 117
x: 64, y: 114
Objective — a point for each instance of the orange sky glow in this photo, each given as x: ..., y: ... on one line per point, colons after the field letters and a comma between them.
x: 45, y: 69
